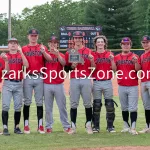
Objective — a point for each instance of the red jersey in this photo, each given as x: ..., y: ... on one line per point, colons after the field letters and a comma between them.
x: 82, y: 70
x: 145, y: 64
x: 54, y: 77
x: 15, y: 66
x: 34, y: 56
x: 103, y: 66
x: 2, y: 66
x: 126, y: 67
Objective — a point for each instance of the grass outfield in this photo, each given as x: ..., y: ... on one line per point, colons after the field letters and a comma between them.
x: 58, y: 139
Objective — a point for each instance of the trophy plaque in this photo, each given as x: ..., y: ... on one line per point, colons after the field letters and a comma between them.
x: 74, y: 56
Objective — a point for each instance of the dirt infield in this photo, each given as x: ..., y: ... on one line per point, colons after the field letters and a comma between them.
x: 115, y: 148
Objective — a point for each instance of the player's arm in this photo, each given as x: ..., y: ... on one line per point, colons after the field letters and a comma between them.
x: 91, y: 58
x: 24, y: 59
x: 61, y: 60
x: 44, y: 51
x: 5, y: 58
x: 112, y: 61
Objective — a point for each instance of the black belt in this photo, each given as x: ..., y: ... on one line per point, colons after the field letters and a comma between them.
x: 36, y: 74
x: 101, y: 80
x: 12, y: 80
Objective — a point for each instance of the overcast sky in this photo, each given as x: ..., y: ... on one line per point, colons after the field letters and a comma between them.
x: 18, y: 5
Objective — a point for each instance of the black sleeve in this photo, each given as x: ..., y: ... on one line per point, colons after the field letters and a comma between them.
x: 67, y: 68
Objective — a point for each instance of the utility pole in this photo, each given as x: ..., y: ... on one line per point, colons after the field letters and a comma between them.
x: 9, y: 20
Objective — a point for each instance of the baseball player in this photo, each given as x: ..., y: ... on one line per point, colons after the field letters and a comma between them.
x: 79, y: 82
x: 35, y: 54
x: 102, y: 84
x: 12, y: 87
x: 2, y: 67
x: 53, y: 86
x: 127, y: 65
x: 145, y: 81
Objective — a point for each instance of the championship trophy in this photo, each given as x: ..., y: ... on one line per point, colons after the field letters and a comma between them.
x: 74, y: 56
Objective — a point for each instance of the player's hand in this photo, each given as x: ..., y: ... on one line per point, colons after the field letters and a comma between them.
x: 91, y: 58
x: 4, y: 56
x: 74, y: 65
x: 134, y: 59
x: 42, y: 48
x: 19, y: 49
x: 55, y: 52
x: 111, y: 57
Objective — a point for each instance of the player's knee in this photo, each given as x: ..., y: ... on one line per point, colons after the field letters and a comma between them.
x: 87, y: 105
x: 27, y: 102
x: 133, y: 109
x: 109, y: 105
x: 74, y: 105
x: 5, y: 107
x: 97, y: 104
x: 18, y: 107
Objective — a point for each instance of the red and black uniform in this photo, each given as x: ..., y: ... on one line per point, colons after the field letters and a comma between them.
x: 15, y: 65
x: 103, y: 65
x: 80, y: 85
x: 2, y: 66
x: 145, y: 64
x: 125, y: 64
x: 34, y: 57
x: 54, y: 88
x: 102, y: 85
x: 56, y: 66
x: 84, y: 52
x: 36, y: 63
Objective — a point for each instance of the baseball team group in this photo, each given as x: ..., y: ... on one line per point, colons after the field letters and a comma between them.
x: 48, y: 87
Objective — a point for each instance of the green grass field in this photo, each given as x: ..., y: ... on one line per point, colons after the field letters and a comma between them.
x: 58, y: 139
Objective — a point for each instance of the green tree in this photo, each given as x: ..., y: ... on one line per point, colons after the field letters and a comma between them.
x: 116, y: 18
x: 3, y: 31
x: 47, y: 18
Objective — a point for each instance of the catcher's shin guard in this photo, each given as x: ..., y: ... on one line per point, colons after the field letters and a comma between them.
x: 110, y: 112
x: 96, y: 113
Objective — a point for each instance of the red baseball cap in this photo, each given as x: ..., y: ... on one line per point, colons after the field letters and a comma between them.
x: 126, y: 40
x: 145, y: 38
x: 33, y: 32
x: 53, y: 38
x: 77, y: 34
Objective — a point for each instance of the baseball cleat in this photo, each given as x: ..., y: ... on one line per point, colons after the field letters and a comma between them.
x: 125, y: 130
x: 72, y: 131
x: 146, y: 130
x: 67, y: 130
x: 95, y: 130
x: 111, y: 130
x: 49, y: 130
x: 18, y: 131
x: 41, y: 130
x: 89, y: 127
x: 133, y: 132
x: 6, y: 132
x: 26, y: 130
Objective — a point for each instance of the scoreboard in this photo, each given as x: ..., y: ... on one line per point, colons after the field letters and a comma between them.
x: 89, y: 32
